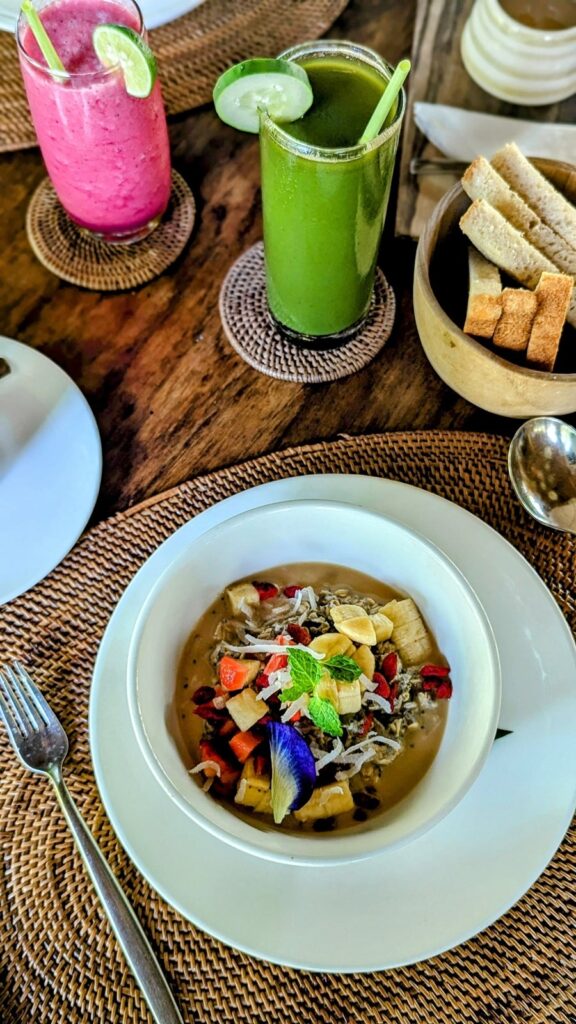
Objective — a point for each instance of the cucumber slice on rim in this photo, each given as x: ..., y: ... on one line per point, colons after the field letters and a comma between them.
x: 120, y: 46
x: 280, y: 87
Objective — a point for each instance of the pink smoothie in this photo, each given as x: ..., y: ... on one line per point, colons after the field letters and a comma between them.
x: 106, y: 152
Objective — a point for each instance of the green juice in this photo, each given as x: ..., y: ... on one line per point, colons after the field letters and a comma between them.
x: 324, y: 197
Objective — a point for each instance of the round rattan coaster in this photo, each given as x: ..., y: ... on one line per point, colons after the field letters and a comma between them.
x: 76, y: 257
x: 191, y: 52
x: 61, y: 962
x: 249, y: 329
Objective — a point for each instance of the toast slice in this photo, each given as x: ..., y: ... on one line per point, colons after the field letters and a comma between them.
x: 484, y: 296
x: 482, y: 181
x: 518, y: 311
x: 550, y: 205
x: 553, y: 293
x: 505, y: 246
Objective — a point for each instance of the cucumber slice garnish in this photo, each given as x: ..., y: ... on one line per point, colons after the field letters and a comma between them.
x: 120, y: 46
x: 280, y: 87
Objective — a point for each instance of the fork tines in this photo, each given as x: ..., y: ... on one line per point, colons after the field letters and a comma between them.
x: 22, y: 706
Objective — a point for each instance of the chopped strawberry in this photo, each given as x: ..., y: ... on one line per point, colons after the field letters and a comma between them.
x: 390, y: 666
x: 299, y: 634
x: 203, y: 694
x: 296, y: 716
x: 367, y: 724
x: 383, y: 687
x: 291, y: 591
x: 275, y: 663
x: 266, y: 591
x: 434, y: 671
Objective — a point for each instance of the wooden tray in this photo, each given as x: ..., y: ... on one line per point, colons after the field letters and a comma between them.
x: 439, y: 76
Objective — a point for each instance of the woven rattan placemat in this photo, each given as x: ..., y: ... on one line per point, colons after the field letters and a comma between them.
x: 76, y: 257
x: 191, y: 52
x: 251, y: 332
x: 59, y: 962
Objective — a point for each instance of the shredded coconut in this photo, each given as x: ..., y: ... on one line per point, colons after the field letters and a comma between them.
x: 330, y: 756
x: 206, y: 764
x: 375, y: 698
x: 301, y: 704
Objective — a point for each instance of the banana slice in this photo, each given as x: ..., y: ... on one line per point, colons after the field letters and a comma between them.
x: 331, y: 644
x: 328, y: 689
x: 365, y: 660
x: 417, y: 651
x: 400, y: 612
x: 349, y: 698
x: 354, y: 622
x: 327, y: 801
x: 383, y: 626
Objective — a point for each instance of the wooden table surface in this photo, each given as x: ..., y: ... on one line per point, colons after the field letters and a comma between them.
x: 170, y: 396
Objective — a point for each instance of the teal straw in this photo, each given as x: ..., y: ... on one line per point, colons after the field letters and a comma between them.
x: 42, y: 38
x: 385, y: 103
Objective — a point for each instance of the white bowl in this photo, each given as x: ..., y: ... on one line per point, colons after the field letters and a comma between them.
x: 318, y: 531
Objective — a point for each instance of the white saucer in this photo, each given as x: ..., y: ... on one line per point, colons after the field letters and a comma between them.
x: 50, y: 467
x: 405, y: 905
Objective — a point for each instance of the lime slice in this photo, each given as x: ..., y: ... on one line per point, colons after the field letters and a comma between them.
x: 279, y: 87
x: 118, y: 45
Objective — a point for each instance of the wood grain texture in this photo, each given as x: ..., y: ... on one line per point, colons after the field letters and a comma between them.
x: 439, y: 76
x: 171, y: 398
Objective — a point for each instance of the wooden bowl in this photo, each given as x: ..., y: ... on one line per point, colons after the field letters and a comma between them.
x: 469, y: 367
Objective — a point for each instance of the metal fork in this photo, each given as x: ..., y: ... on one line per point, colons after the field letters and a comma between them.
x: 41, y: 744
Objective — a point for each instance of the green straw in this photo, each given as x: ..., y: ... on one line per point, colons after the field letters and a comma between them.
x: 385, y: 103
x: 42, y: 38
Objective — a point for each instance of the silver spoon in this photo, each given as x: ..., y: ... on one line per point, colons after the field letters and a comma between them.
x: 542, y: 467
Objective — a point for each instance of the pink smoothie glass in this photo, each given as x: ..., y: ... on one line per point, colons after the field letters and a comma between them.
x: 107, y: 153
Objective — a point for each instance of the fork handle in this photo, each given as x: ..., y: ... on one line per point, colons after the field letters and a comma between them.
x: 123, y: 920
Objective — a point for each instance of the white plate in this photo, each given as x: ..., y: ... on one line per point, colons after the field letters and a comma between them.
x: 402, y: 906
x: 155, y: 12
x: 50, y: 467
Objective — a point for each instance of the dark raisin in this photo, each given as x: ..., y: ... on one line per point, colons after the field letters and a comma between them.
x: 371, y: 789
x: 327, y: 775
x: 324, y: 825
x: 203, y: 694
x: 360, y: 815
x: 367, y: 802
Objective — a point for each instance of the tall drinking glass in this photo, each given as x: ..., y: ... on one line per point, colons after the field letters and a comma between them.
x: 324, y: 196
x: 107, y: 153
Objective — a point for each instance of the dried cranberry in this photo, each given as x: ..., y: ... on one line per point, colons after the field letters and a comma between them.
x: 291, y: 591
x: 203, y: 694
x: 299, y: 633
x: 209, y: 712
x: 266, y: 591
x: 390, y: 666
x: 383, y: 687
x: 261, y: 681
x: 434, y: 671
x: 444, y: 691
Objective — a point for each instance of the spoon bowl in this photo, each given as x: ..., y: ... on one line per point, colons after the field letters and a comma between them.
x: 542, y: 467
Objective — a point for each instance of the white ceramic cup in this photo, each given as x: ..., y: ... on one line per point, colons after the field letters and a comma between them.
x: 509, y: 60
x: 317, y: 531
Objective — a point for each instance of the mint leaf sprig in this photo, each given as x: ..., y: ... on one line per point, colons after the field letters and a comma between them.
x: 306, y: 672
x: 343, y: 669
